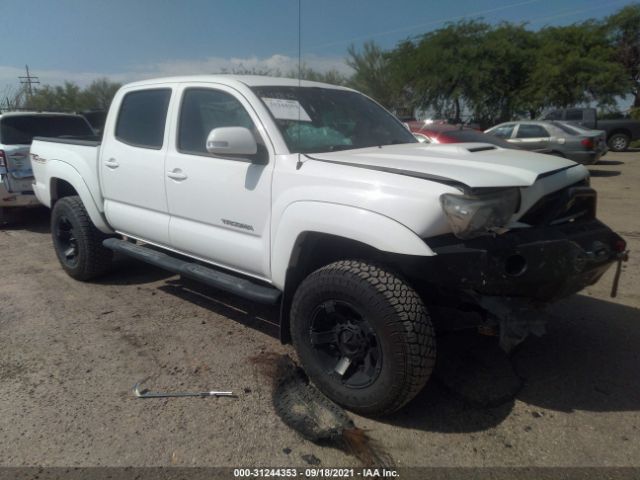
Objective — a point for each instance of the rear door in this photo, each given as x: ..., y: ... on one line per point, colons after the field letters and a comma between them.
x: 529, y: 136
x: 132, y: 170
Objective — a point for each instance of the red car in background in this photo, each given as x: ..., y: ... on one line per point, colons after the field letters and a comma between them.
x: 447, y: 133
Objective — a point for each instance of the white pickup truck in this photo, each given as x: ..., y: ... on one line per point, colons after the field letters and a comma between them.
x: 314, y: 196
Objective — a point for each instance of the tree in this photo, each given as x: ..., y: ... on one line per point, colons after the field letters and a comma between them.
x: 71, y: 98
x: 12, y: 98
x: 503, y: 67
x: 575, y: 64
x: 446, y: 70
x: 98, y: 95
x: 56, y: 98
x: 331, y: 76
x: 624, y: 34
x: 371, y: 73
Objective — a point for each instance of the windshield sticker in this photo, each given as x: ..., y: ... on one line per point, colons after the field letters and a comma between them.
x: 286, y: 109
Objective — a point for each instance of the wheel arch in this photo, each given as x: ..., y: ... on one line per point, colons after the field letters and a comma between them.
x: 313, y: 234
x: 66, y: 181
x: 619, y: 130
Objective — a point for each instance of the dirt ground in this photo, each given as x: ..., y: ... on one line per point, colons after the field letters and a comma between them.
x: 71, y: 352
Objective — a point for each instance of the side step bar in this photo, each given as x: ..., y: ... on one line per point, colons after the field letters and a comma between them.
x: 224, y: 281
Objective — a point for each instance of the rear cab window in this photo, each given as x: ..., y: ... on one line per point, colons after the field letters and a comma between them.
x: 142, y: 118
x: 20, y: 129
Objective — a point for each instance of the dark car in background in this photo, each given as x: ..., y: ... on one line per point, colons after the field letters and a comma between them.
x: 620, y: 132
x: 577, y: 144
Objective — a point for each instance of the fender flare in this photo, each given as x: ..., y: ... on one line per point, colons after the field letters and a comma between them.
x: 63, y: 171
x: 371, y: 228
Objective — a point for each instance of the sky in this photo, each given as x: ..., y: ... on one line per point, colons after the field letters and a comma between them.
x: 81, y: 40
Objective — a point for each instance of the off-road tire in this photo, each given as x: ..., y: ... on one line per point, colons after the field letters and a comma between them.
x: 618, y: 142
x: 93, y: 259
x: 396, y: 314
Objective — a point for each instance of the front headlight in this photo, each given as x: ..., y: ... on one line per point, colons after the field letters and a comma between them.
x: 472, y: 215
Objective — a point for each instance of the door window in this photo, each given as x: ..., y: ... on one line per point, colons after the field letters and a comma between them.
x: 204, y: 109
x: 503, y: 131
x: 142, y: 117
x: 531, y: 131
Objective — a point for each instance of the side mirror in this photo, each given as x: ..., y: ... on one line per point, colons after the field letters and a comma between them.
x: 231, y: 141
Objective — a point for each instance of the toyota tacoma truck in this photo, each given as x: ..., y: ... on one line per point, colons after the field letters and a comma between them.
x: 314, y: 197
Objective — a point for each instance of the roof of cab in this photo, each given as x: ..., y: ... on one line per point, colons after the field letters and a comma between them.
x: 229, y: 79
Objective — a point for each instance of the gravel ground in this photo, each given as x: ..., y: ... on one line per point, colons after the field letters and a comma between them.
x: 71, y: 352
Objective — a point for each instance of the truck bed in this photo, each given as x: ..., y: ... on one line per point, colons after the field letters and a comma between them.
x: 70, y: 158
x: 87, y: 140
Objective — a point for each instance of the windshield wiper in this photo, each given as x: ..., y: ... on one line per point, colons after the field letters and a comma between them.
x: 336, y: 148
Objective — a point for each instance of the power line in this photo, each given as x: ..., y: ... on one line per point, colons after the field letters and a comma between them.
x: 568, y: 13
x: 426, y: 24
x: 29, y: 80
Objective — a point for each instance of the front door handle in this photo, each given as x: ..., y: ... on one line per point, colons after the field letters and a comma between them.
x: 112, y: 163
x: 176, y: 174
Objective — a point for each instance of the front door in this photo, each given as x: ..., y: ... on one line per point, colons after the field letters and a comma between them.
x: 132, y: 165
x: 220, y: 207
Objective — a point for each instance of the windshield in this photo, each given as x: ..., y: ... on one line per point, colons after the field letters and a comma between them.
x: 314, y: 120
x: 20, y: 129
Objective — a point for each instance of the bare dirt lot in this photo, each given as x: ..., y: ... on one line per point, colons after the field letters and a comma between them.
x: 71, y: 352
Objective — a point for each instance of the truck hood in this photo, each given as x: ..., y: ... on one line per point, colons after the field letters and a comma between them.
x: 469, y: 165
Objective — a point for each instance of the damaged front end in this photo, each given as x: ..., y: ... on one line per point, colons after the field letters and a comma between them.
x: 510, y: 277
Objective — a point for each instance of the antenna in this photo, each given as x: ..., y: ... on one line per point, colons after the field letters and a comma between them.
x: 299, y: 162
x: 29, y: 80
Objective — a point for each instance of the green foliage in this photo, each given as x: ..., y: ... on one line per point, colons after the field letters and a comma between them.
x: 307, y: 73
x: 71, y: 98
x: 440, y: 70
x: 494, y: 73
x: 574, y: 64
x: 98, y: 95
x: 371, y: 73
x: 623, y: 30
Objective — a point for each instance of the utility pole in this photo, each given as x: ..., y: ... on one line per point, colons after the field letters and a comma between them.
x: 29, y: 80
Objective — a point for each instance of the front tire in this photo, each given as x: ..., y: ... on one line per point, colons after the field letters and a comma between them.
x: 363, y: 336
x: 618, y: 142
x: 77, y: 242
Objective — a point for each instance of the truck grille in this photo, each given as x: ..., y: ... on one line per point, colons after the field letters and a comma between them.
x: 571, y: 204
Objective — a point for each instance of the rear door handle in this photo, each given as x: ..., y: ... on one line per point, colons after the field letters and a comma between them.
x: 112, y: 163
x: 176, y: 174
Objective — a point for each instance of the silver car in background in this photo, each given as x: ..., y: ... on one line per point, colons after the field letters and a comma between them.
x: 570, y: 141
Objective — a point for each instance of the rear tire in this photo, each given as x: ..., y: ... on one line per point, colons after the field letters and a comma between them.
x: 77, y: 242
x: 363, y: 336
x: 618, y: 142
